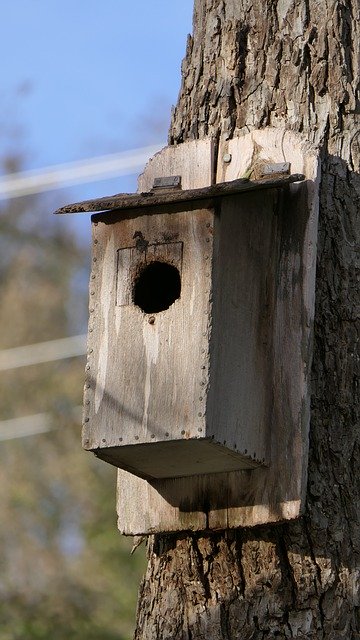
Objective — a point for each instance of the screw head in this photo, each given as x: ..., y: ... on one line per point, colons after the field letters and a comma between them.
x: 227, y: 157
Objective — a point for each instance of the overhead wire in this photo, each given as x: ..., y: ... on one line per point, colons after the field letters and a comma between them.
x: 42, y: 352
x: 25, y: 183
x: 35, y: 354
x: 31, y: 425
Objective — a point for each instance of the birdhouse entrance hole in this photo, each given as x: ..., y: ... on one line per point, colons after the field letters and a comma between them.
x: 157, y: 287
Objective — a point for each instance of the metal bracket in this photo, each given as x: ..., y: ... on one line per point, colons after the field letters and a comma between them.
x: 168, y: 182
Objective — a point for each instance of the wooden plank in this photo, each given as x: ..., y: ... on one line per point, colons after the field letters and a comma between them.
x: 279, y: 493
x: 169, y: 252
x: 145, y: 508
x: 124, y: 201
x: 145, y: 372
x: 141, y: 507
x: 244, y: 274
x: 180, y: 458
x: 276, y: 493
x: 124, y: 266
x: 194, y: 161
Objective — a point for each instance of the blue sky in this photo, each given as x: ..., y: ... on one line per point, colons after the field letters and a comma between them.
x: 83, y: 78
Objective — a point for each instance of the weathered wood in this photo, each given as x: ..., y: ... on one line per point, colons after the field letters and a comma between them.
x: 194, y: 161
x: 158, y: 197
x: 143, y: 369
x: 162, y: 431
x: 271, y: 339
x: 166, y: 429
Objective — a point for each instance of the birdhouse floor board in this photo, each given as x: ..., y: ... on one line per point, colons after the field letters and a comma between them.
x: 176, y: 458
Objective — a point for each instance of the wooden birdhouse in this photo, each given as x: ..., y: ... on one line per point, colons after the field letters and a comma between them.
x: 191, y: 319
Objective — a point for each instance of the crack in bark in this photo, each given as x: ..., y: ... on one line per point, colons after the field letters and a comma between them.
x: 239, y: 551
x: 286, y: 565
x: 200, y: 569
x: 318, y: 582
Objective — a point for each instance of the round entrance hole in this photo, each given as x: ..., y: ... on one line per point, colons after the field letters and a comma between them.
x: 157, y: 287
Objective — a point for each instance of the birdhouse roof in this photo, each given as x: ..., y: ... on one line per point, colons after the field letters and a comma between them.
x: 166, y: 196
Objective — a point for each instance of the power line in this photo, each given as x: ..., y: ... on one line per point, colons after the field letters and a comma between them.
x: 42, y: 352
x: 26, y: 426
x: 37, y: 354
x: 58, y: 176
x: 31, y: 425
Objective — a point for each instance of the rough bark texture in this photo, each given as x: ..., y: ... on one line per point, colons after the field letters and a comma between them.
x: 292, y: 63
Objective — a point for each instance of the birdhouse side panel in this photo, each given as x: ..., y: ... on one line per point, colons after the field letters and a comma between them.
x: 245, y: 264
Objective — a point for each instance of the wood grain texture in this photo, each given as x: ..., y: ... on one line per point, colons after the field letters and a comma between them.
x: 135, y: 494
x: 146, y: 370
x: 193, y: 161
x: 246, y: 239
x: 158, y: 197
x: 284, y: 243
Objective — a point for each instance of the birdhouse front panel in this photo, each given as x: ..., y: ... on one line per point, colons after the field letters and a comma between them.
x: 148, y: 365
x: 161, y: 288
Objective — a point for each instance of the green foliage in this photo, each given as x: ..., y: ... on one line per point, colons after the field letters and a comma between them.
x: 65, y: 570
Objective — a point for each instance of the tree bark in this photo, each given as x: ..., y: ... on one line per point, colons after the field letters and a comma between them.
x: 292, y: 64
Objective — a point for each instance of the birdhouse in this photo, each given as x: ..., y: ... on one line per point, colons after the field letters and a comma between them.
x: 184, y: 317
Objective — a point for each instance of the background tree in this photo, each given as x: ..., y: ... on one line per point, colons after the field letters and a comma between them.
x: 292, y: 64
x: 65, y: 571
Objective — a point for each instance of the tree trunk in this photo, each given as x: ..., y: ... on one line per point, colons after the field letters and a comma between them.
x: 292, y: 64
